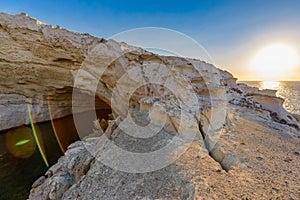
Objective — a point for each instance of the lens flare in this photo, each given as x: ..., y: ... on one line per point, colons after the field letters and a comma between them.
x: 20, y: 142
x: 36, y: 137
x: 54, y: 128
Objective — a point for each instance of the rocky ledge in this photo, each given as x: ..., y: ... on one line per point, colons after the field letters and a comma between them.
x: 242, y: 143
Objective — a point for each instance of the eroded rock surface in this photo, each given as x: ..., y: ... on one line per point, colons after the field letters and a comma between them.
x: 192, y: 102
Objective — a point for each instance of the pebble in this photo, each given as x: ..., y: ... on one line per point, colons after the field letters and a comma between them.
x: 259, y: 158
x: 288, y: 160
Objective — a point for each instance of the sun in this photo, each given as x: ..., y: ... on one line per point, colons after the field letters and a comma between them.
x: 274, y: 62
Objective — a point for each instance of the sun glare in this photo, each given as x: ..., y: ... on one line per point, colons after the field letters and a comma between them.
x: 274, y: 62
x: 273, y: 85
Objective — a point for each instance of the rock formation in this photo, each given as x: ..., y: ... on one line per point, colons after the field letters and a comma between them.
x: 184, y: 100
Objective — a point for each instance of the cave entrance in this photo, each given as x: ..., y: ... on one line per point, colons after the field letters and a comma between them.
x: 67, y: 132
x: 19, y: 153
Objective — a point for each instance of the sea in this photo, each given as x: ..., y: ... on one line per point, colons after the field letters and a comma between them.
x: 288, y: 90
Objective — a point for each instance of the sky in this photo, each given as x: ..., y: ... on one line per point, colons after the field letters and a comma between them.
x: 232, y: 32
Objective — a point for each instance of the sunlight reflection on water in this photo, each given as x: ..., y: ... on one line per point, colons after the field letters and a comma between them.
x: 272, y: 85
x: 288, y: 90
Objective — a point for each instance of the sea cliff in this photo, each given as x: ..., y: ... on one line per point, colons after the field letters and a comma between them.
x: 227, y: 140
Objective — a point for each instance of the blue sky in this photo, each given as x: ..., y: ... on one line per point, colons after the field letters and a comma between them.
x: 231, y: 31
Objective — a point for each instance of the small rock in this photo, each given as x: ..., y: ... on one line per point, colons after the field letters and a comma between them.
x: 49, y: 173
x: 38, y: 182
x: 24, y: 14
x: 288, y: 160
x: 296, y: 153
x: 259, y: 158
x: 75, y: 145
x: 60, y: 183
